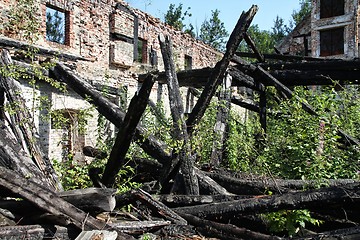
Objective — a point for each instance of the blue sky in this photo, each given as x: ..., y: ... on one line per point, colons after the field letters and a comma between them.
x: 230, y: 10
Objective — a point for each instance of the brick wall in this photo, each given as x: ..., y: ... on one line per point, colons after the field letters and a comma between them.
x: 107, y: 33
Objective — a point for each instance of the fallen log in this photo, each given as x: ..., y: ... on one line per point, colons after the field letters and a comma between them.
x: 25, y: 128
x: 111, y: 111
x: 256, y: 187
x: 220, y: 68
x: 47, y: 200
x: 182, y: 152
x: 311, y: 199
x: 228, y: 230
x: 156, y: 206
x: 126, y: 132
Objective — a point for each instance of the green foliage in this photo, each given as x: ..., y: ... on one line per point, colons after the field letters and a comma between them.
x: 279, y: 30
x: 305, y: 9
x: 213, y: 32
x: 175, y: 17
x: 290, y: 221
x: 264, y: 40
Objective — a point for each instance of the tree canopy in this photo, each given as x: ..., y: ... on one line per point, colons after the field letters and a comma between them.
x: 213, y: 31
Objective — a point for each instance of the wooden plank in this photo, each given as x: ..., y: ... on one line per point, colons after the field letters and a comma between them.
x: 127, y: 132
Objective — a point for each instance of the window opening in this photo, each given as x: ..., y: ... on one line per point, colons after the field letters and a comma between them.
x: 142, y: 51
x: 331, y: 8
x: 332, y: 42
x: 188, y: 62
x: 56, y: 25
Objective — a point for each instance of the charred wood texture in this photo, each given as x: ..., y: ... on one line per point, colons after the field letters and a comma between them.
x: 226, y: 230
x: 156, y: 206
x: 220, y: 68
x: 221, y: 126
x: 13, y: 157
x: 111, y: 111
x: 183, y: 153
x: 246, y: 103
x: 33, y: 232
x: 136, y: 228
x: 8, y: 42
x: 21, y: 122
x: 312, y: 199
x: 260, y: 57
x: 126, y: 132
x: 47, y: 200
x: 256, y: 187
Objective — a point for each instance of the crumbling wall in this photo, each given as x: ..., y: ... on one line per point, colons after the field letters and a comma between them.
x: 111, y: 60
x: 348, y: 21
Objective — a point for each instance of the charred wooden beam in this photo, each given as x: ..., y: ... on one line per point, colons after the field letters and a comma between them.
x: 38, y: 232
x: 111, y: 111
x: 208, y: 185
x: 279, y: 57
x: 246, y: 103
x: 139, y: 227
x: 13, y: 157
x: 46, y: 200
x: 91, y: 199
x: 256, y: 187
x: 220, y: 68
x: 179, y: 129
x: 192, y: 200
x: 260, y: 57
x: 312, y: 199
x: 11, y: 43
x: 227, y: 230
x: 25, y: 128
x: 126, y: 132
x: 221, y: 126
x: 156, y: 206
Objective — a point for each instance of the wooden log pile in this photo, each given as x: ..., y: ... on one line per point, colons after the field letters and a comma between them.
x: 189, y: 203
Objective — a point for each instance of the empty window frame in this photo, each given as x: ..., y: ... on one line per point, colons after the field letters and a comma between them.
x: 57, y: 25
x: 142, y: 53
x: 188, y: 62
x: 331, y: 8
x: 332, y: 42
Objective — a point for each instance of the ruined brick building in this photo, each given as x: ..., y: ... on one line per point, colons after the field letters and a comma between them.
x: 331, y: 30
x: 108, y: 43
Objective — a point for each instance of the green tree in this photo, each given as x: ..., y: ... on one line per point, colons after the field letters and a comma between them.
x: 213, y: 32
x: 175, y: 17
x: 264, y: 40
x: 280, y: 29
x: 305, y: 9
